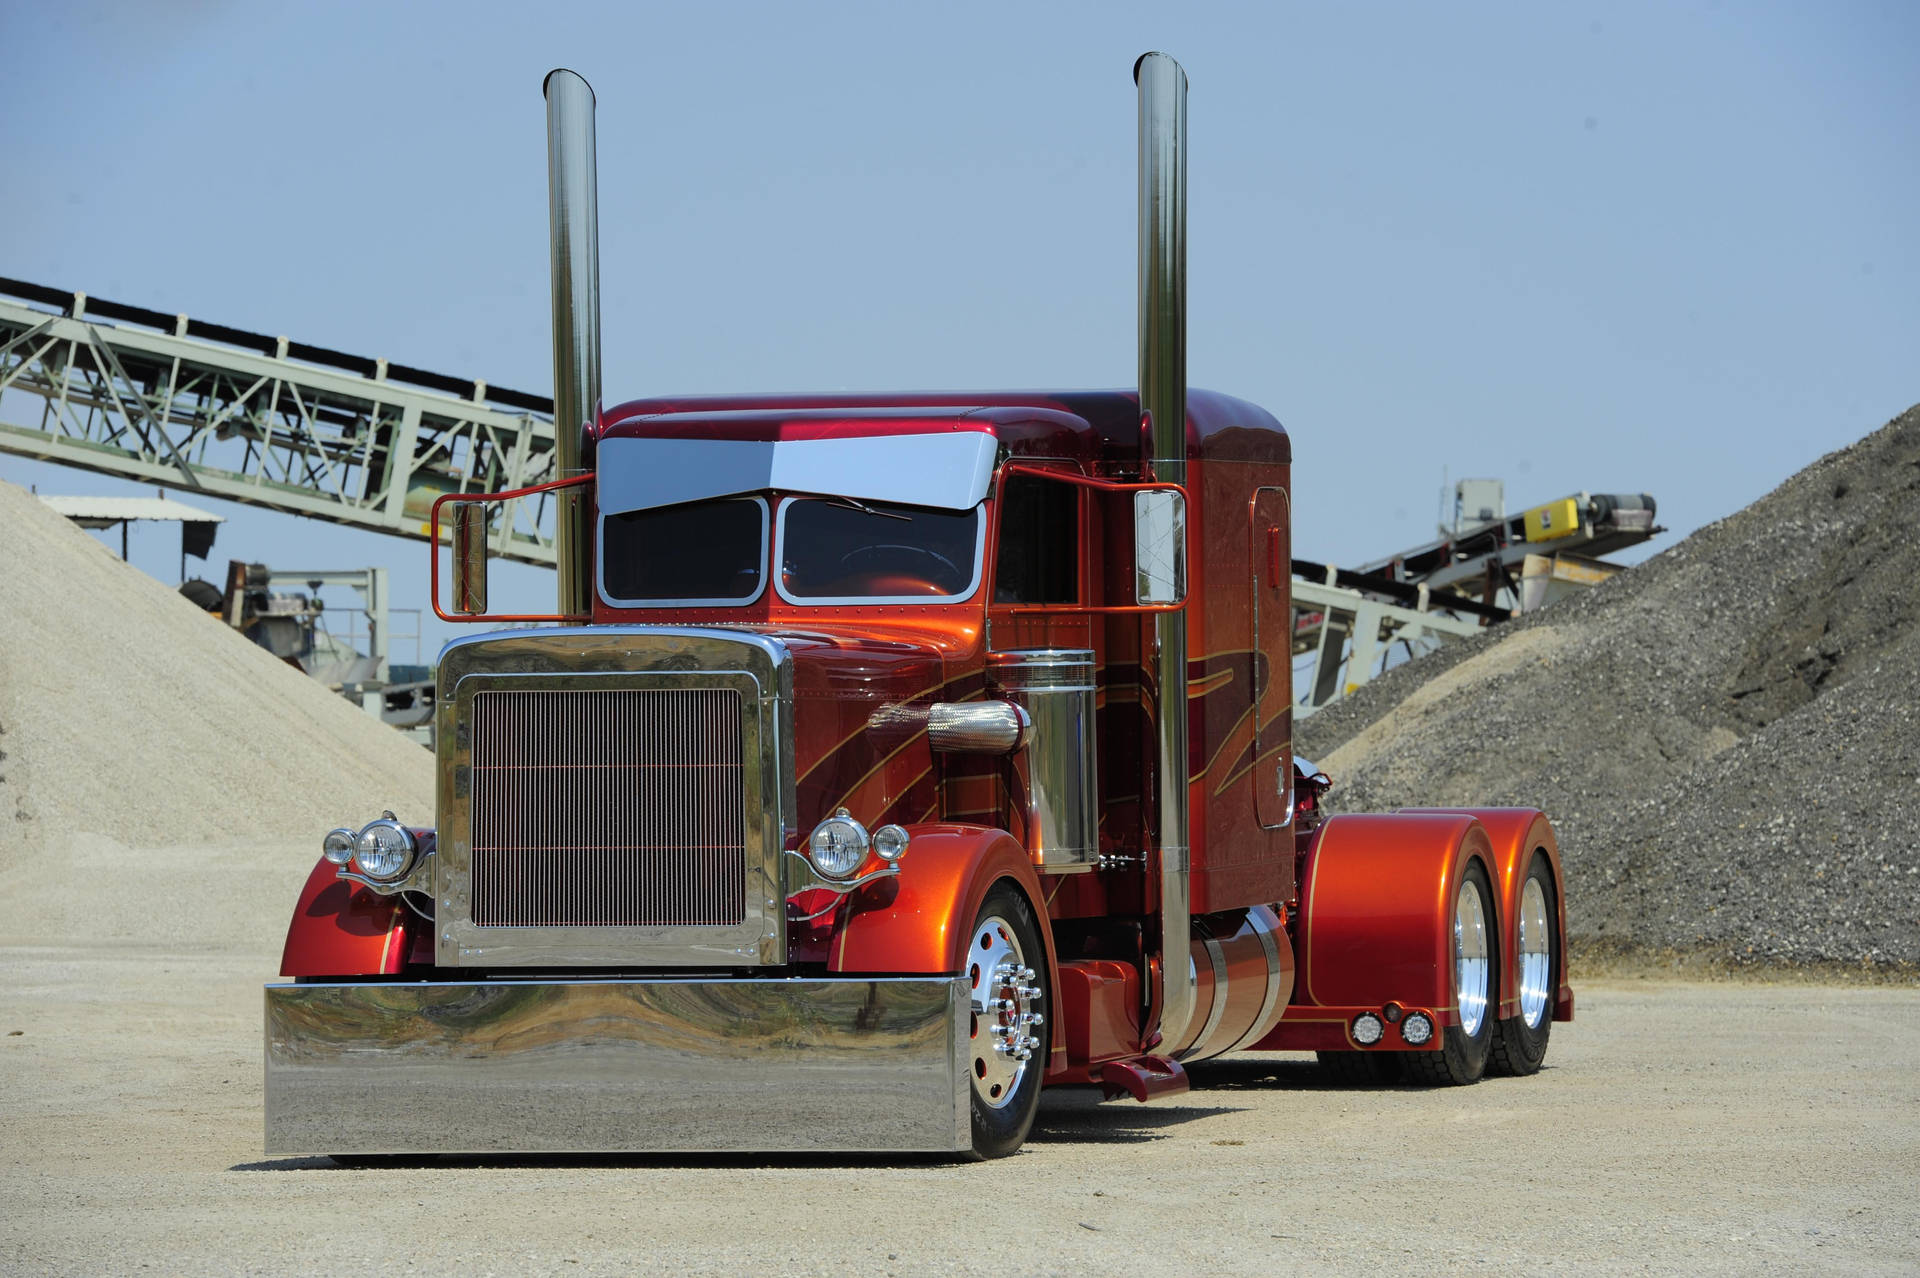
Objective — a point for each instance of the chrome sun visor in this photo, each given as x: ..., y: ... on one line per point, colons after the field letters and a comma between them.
x: 948, y: 469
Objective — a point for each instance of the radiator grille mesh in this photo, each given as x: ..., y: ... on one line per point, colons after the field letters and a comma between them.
x: 609, y: 807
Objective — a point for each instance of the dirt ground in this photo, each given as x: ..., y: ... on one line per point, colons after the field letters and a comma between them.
x: 1679, y: 1126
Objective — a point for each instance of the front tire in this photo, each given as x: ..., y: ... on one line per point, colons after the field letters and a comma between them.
x: 1007, y: 1047
x: 1520, y: 1044
x: 1468, y: 1042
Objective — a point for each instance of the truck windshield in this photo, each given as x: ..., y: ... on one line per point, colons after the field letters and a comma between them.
x: 703, y: 552
x: 834, y: 548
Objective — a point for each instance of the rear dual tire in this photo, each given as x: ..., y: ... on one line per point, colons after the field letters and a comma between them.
x: 1467, y: 1044
x: 1521, y: 1042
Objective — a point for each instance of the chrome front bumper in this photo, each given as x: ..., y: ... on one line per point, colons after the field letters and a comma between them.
x: 630, y: 1066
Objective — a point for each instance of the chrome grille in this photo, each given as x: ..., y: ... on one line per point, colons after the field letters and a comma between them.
x: 608, y: 807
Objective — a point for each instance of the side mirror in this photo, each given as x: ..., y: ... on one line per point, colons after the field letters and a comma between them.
x: 1159, y: 547
x: 469, y: 557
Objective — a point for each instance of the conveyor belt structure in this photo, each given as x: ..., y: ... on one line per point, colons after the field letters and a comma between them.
x: 205, y: 408
x: 1350, y: 625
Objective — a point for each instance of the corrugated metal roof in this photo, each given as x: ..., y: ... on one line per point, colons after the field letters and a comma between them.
x: 100, y: 512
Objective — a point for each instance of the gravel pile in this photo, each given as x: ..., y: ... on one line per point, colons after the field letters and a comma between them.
x: 130, y: 721
x: 1725, y: 736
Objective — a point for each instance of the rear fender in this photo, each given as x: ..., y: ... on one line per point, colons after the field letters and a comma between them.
x: 341, y: 928
x: 919, y: 920
x: 1376, y: 909
x: 1516, y: 834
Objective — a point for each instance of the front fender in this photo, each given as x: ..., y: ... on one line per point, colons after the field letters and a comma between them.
x: 1516, y: 835
x: 1376, y: 908
x: 341, y: 928
x: 918, y: 921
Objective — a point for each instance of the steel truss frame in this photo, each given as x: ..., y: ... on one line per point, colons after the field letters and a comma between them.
x: 266, y: 429
x: 1351, y: 642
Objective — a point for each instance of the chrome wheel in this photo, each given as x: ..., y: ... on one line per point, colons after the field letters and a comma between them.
x: 1006, y: 1004
x: 1536, y: 954
x: 1470, y: 966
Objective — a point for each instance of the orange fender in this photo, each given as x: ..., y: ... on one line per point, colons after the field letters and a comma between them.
x: 918, y: 921
x: 341, y: 928
x: 1376, y: 909
x: 1516, y: 834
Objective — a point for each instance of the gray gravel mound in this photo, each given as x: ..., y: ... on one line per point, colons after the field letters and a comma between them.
x: 1725, y: 735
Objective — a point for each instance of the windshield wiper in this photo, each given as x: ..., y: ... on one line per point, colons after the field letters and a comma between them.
x: 854, y: 504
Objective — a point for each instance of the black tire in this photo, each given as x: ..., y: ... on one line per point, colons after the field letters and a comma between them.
x: 1361, y: 1069
x: 1462, y: 1057
x: 1005, y: 1093
x: 1520, y: 1044
x: 378, y: 1160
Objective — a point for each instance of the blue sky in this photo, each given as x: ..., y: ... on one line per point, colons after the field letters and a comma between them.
x: 1660, y: 247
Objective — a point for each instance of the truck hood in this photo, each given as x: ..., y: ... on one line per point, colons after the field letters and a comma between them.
x: 859, y: 708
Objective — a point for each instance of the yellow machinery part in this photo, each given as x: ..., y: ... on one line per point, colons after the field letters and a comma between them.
x: 1555, y: 519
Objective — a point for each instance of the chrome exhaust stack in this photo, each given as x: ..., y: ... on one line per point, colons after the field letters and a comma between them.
x: 573, y: 204
x: 1163, y: 396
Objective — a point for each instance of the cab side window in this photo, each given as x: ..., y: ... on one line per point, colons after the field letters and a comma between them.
x: 1039, y: 558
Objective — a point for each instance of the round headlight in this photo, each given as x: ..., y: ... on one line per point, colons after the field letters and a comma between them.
x: 890, y: 843
x: 337, y: 847
x: 1417, y: 1029
x: 1367, y: 1029
x: 384, y: 850
x: 837, y: 845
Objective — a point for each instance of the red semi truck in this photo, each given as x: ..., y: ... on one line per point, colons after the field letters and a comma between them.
x: 839, y: 806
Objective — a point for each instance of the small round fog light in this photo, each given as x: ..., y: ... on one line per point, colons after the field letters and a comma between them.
x: 384, y: 850
x: 337, y: 847
x: 1416, y: 1029
x: 890, y: 843
x: 1367, y: 1029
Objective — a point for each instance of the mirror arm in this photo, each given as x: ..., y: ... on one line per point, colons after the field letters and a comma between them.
x: 1007, y: 468
x: 1086, y: 481
x: 433, y: 532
